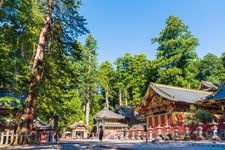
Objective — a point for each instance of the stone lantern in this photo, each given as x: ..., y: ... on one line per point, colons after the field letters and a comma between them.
x: 150, y: 133
x: 199, y: 132
x: 215, y: 137
x: 187, y: 133
x: 167, y: 134
x: 176, y: 133
x: 159, y: 134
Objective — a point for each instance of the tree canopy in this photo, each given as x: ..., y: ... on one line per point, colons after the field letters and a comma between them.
x: 176, y: 54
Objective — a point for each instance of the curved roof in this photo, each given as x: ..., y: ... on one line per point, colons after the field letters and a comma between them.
x: 178, y: 93
x: 108, y: 114
x: 78, y: 124
x: 219, y: 94
x: 207, y: 86
x: 40, y: 125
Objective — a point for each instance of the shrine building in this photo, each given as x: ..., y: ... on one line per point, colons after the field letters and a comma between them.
x: 167, y: 105
x: 113, y: 124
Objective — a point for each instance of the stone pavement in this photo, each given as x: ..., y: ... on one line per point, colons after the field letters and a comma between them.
x: 121, y: 145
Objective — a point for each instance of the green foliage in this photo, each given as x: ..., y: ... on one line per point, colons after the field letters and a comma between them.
x: 211, y: 69
x: 20, y: 22
x: 176, y: 54
x: 198, y: 115
x: 106, y: 79
x: 132, y: 76
x: 9, y: 102
x: 223, y: 59
x: 203, y: 116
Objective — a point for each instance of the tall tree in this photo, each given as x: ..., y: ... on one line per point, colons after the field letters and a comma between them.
x: 211, y: 69
x: 176, y: 54
x: 62, y: 24
x: 25, y: 122
x: 106, y: 79
x: 88, y: 77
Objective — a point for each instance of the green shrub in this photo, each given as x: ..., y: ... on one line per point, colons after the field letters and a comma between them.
x: 203, y: 116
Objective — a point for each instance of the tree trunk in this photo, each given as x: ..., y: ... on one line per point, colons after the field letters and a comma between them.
x: 25, y: 122
x: 125, y: 96
x: 87, y: 107
x: 120, y: 98
x: 107, y: 97
x: 87, y: 112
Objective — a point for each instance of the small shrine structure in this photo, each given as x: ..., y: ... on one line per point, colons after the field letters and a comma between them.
x: 79, y: 130
x: 113, y: 124
x: 167, y: 105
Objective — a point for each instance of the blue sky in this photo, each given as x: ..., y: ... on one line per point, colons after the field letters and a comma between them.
x: 127, y: 26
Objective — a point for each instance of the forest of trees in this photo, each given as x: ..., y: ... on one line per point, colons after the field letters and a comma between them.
x: 62, y: 76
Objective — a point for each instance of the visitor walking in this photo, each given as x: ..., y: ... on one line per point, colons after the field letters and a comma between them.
x: 101, y: 133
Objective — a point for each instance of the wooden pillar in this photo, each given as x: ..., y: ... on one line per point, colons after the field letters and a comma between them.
x: 153, y: 121
x: 12, y: 135
x: 166, y: 119
x: 159, y: 118
x: 16, y: 140
x: 7, y: 137
x: 2, y: 138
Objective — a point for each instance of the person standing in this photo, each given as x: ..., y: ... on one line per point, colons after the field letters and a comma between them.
x: 101, y: 134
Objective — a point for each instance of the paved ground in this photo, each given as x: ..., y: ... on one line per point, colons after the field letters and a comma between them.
x: 122, y: 145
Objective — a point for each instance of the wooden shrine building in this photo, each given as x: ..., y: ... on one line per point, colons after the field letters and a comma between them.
x: 79, y: 130
x: 165, y: 104
x: 113, y: 124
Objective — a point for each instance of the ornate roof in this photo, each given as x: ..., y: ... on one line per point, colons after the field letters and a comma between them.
x: 78, y: 124
x: 177, y: 93
x: 40, y: 125
x: 207, y: 86
x: 107, y: 114
x: 126, y: 111
x: 218, y: 95
x: 171, y: 93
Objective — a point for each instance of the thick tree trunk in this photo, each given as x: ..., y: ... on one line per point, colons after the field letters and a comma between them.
x: 26, y: 119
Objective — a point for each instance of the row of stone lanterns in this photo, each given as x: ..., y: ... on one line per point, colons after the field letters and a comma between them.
x: 187, y: 133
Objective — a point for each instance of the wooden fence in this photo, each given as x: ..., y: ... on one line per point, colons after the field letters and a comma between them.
x: 6, y: 137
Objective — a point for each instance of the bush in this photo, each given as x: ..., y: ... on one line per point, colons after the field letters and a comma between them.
x: 203, y: 116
